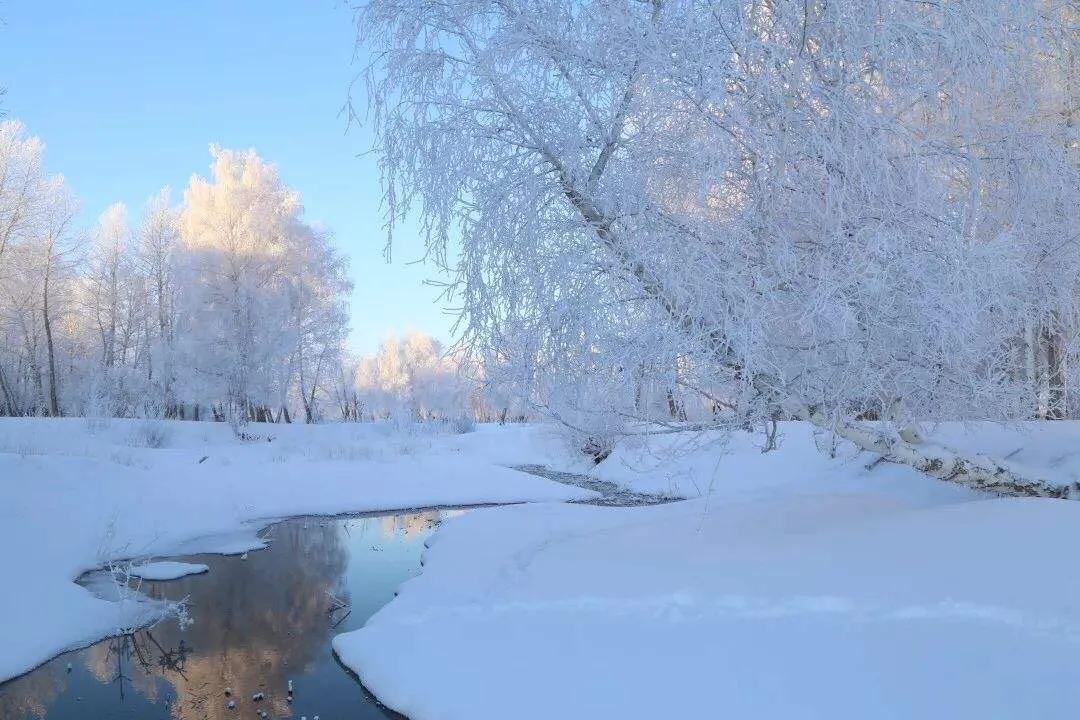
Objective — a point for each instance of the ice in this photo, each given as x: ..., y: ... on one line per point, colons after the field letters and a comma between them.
x: 166, y: 570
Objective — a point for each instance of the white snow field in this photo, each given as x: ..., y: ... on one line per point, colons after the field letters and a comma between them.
x: 76, y: 493
x: 803, y: 587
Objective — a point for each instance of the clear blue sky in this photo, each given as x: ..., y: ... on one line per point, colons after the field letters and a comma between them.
x: 128, y: 95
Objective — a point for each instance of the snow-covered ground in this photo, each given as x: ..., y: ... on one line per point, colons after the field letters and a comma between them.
x: 804, y: 586
x: 798, y: 583
x: 76, y: 494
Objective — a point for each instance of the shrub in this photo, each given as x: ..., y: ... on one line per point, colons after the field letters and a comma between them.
x: 150, y: 434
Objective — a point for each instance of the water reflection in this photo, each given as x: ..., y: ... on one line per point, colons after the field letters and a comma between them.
x: 259, y: 622
x: 31, y: 695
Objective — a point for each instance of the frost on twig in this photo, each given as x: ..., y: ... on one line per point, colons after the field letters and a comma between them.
x: 118, y: 581
x: 338, y: 607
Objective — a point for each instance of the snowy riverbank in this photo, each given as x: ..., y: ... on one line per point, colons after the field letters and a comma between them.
x: 75, y: 494
x: 805, y: 584
x: 805, y: 587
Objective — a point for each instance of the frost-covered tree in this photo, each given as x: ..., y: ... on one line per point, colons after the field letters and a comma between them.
x: 39, y: 255
x: 415, y: 377
x: 114, y: 299
x: 108, y: 274
x: 158, y: 238
x: 230, y: 305
x: 318, y: 287
x: 21, y: 195
x: 822, y: 211
x: 231, y: 300
x: 260, y: 292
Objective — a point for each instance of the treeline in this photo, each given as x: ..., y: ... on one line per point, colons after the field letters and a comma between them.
x: 228, y: 305
x: 225, y: 306
x: 416, y: 377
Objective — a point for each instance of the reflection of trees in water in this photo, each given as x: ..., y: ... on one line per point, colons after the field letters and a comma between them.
x: 32, y: 694
x: 136, y: 661
x: 410, y: 525
x: 258, y: 622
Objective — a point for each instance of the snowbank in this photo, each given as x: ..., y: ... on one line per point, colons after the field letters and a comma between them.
x: 711, y: 464
x: 805, y: 587
x: 76, y: 493
x: 167, y: 570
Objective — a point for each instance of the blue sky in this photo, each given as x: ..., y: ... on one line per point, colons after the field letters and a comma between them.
x: 128, y: 95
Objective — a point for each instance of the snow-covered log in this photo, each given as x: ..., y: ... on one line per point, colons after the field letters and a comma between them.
x: 978, y: 472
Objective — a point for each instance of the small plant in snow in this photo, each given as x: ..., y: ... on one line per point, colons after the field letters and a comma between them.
x: 118, y: 583
x: 108, y: 537
x: 349, y: 453
x: 150, y: 434
x: 122, y: 458
x: 22, y: 448
x: 97, y: 423
x: 461, y: 425
x: 127, y: 591
x: 598, y: 447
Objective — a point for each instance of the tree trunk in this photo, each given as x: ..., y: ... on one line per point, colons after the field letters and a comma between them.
x: 9, y: 401
x: 54, y: 404
x: 308, y: 416
x: 639, y: 388
x: 1031, y: 366
x: 309, y: 405
x: 1057, y: 373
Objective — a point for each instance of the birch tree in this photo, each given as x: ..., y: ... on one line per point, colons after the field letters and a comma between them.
x: 260, y: 291
x: 317, y: 285
x: 112, y: 248
x: 21, y: 176
x: 229, y: 305
x: 39, y: 255
x: 51, y: 259
x: 158, y: 239
x: 816, y: 208
x: 413, y: 376
x: 231, y: 231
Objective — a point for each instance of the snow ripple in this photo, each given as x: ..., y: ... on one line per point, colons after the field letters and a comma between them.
x: 687, y: 607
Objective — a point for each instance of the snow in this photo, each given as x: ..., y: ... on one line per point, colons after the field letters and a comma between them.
x: 805, y: 586
x: 519, y: 444
x: 234, y: 543
x: 798, y: 583
x: 734, y: 466
x: 75, y: 494
x: 167, y: 570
